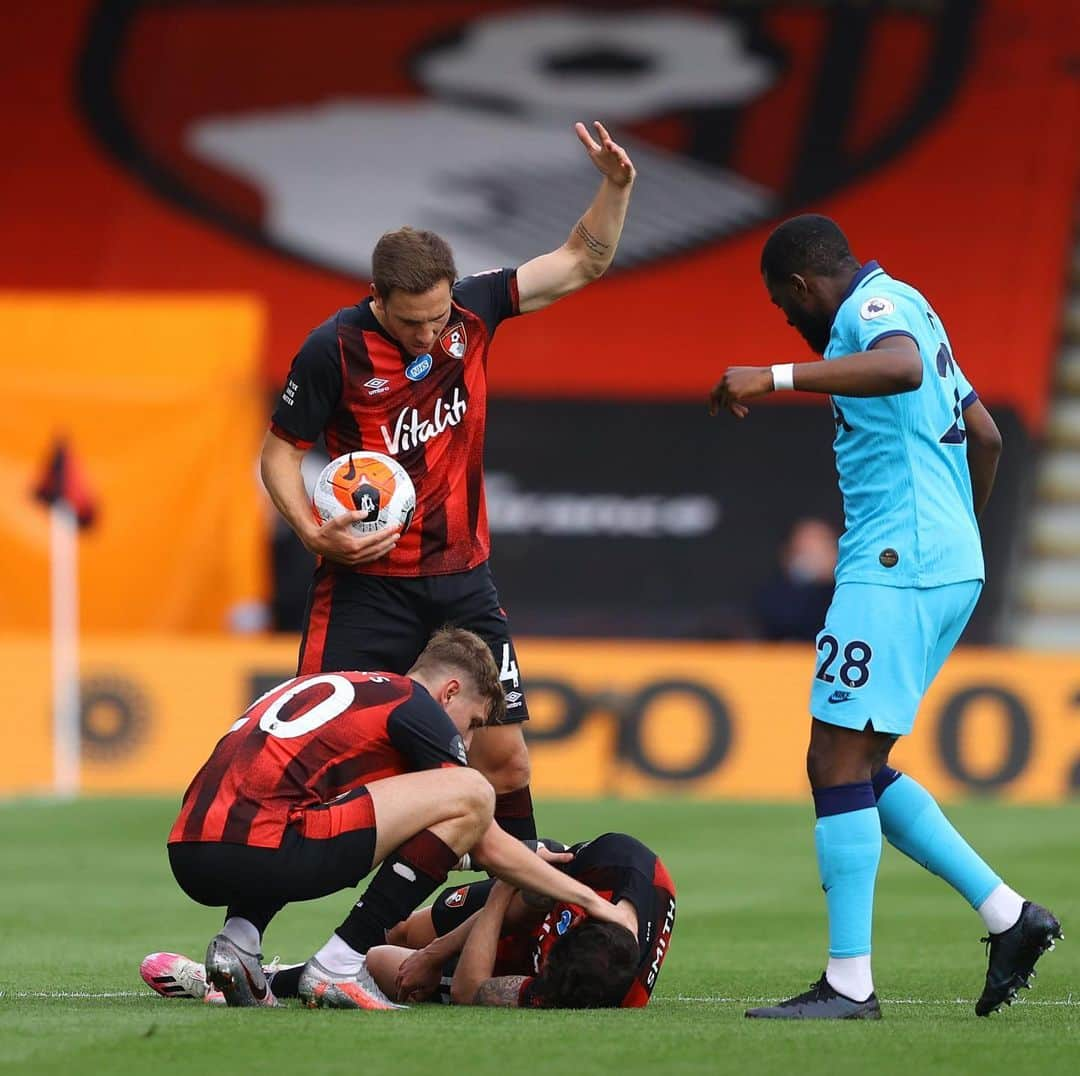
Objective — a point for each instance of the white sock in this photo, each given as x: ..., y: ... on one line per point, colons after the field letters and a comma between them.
x: 850, y: 976
x: 1001, y: 909
x: 243, y: 933
x: 339, y: 958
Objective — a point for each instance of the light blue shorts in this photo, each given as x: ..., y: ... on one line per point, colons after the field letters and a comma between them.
x: 881, y: 648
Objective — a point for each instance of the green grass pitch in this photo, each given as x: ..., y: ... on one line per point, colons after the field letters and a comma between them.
x: 86, y: 892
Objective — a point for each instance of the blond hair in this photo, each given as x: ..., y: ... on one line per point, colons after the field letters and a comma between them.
x: 458, y: 650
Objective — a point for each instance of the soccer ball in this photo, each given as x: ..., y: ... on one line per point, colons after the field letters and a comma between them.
x: 367, y: 482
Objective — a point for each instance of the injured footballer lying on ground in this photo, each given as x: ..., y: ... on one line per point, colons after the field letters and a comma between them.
x: 487, y: 943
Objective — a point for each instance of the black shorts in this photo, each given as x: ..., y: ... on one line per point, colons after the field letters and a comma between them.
x: 381, y: 623
x: 219, y: 874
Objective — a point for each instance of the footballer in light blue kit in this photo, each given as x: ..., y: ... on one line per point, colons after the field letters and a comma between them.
x: 916, y: 455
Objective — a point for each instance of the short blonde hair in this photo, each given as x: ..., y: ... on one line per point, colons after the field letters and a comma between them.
x: 458, y: 650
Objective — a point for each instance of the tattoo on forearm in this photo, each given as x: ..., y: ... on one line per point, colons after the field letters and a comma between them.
x: 595, y: 245
x: 502, y: 991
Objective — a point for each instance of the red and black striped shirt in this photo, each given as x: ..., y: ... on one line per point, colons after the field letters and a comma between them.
x: 307, y: 742
x: 355, y: 385
x: 615, y: 865
x: 618, y: 867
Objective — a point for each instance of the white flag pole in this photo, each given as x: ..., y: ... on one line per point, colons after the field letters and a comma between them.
x: 64, y: 568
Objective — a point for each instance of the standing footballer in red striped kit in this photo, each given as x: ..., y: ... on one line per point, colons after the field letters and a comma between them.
x: 405, y: 373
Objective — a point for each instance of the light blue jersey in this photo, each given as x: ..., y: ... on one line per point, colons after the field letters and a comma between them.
x: 902, y: 459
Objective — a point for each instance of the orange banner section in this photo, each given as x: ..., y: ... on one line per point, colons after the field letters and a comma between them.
x: 711, y: 720
x: 157, y: 400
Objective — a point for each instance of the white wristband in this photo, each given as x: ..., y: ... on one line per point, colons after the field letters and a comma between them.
x: 783, y: 376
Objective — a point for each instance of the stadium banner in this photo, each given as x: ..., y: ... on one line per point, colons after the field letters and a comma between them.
x: 155, y: 398
x: 609, y: 719
x: 192, y: 128
x: 652, y: 519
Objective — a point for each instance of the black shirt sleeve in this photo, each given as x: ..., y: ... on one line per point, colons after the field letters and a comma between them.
x: 312, y: 389
x: 456, y: 903
x: 492, y: 296
x: 423, y: 732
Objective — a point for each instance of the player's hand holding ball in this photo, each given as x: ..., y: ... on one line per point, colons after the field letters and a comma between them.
x: 337, y: 541
x: 740, y: 383
x: 363, y: 502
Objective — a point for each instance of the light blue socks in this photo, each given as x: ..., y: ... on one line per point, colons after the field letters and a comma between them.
x: 913, y: 822
x: 848, y: 839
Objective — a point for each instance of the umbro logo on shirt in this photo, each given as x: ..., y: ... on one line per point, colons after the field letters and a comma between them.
x: 376, y: 386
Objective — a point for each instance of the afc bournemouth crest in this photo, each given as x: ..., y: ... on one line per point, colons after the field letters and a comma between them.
x: 736, y: 114
x: 454, y: 341
x: 457, y: 898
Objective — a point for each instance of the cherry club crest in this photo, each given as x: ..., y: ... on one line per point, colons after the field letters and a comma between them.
x: 460, y: 115
x: 454, y: 341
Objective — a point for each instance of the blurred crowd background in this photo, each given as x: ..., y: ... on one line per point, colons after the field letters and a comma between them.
x: 190, y: 187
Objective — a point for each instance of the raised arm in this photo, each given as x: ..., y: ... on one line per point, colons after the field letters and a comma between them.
x: 590, y: 247
x: 983, y: 452
x: 891, y: 366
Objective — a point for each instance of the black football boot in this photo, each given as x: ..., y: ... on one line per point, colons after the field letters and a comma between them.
x: 820, y: 1002
x: 1013, y: 953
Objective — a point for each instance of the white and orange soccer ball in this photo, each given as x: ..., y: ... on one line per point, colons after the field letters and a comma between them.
x: 367, y: 482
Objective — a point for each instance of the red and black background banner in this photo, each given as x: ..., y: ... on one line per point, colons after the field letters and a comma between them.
x: 257, y: 147
x: 937, y: 134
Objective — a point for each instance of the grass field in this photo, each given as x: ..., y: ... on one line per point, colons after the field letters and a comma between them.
x: 87, y: 892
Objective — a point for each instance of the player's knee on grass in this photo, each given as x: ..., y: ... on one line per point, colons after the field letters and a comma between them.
x: 590, y: 967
